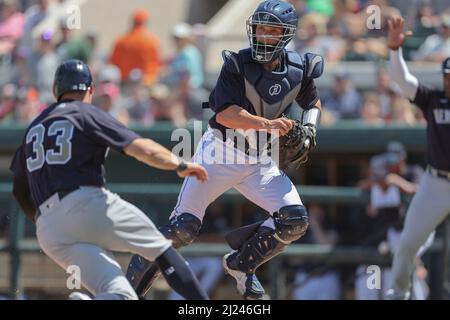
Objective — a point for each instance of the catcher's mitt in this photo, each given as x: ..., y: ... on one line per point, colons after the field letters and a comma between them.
x: 295, y: 146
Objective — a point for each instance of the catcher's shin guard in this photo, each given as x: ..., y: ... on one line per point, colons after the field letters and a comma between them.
x: 259, y: 248
x: 265, y: 243
x: 182, y: 230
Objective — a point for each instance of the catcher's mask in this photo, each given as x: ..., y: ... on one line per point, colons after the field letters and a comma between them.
x: 274, y: 13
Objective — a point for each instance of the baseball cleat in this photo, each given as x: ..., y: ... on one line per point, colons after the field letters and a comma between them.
x: 248, y: 284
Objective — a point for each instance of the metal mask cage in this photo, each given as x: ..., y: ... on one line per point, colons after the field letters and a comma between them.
x: 263, y: 52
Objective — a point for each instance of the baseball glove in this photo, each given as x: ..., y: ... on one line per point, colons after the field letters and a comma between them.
x: 295, y: 146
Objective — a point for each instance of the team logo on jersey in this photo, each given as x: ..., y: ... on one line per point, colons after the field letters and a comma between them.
x: 275, y: 90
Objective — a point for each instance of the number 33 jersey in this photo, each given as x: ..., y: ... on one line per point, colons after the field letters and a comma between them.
x: 65, y: 147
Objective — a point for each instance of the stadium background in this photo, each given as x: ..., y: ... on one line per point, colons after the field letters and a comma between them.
x: 364, y: 112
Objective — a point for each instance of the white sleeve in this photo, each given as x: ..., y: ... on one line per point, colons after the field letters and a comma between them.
x: 401, y: 75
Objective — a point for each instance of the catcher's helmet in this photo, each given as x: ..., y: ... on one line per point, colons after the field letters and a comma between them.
x: 274, y: 13
x: 71, y: 75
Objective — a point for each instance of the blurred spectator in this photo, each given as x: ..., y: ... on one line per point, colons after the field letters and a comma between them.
x: 371, y: 109
x: 97, y: 57
x: 352, y: 21
x: 72, y: 48
x: 343, y: 100
x: 8, y: 100
x: 43, y: 65
x: 382, y: 213
x: 137, y: 101
x: 312, y: 37
x: 138, y: 49
x: 34, y: 15
x: 423, y: 23
x: 11, y: 26
x: 384, y: 91
x: 389, y: 177
x: 200, y: 40
x: 163, y: 109
x: 109, y: 74
x: 106, y: 99
x: 28, y: 105
x: 20, y: 75
x: 365, y: 49
x: 311, y: 279
x: 397, y: 163
x: 437, y: 46
x: 337, y: 44
x: 184, y: 74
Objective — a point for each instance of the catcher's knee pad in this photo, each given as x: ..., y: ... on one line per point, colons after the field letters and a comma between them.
x: 182, y: 229
x: 291, y: 223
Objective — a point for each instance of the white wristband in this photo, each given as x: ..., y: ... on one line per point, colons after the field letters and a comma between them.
x: 311, y: 117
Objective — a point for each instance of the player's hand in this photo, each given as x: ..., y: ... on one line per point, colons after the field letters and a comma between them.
x: 396, y: 37
x: 280, y: 126
x: 194, y: 170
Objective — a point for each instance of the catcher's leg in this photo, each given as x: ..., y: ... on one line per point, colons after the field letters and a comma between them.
x: 255, y: 248
x: 182, y: 230
x: 256, y: 244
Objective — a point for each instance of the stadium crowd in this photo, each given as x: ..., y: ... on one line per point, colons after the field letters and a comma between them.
x: 140, y: 86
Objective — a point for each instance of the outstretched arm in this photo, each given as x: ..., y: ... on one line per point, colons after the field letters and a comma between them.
x: 155, y: 155
x: 399, y: 70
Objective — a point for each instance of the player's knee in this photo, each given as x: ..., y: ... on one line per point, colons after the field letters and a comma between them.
x: 182, y: 229
x: 291, y: 223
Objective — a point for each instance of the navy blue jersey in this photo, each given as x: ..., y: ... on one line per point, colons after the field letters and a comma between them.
x: 436, y: 109
x: 65, y: 147
x: 230, y: 90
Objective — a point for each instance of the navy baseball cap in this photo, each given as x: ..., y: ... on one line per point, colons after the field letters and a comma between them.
x: 446, y: 66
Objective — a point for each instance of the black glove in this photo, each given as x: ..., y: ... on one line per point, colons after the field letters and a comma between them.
x: 296, y: 144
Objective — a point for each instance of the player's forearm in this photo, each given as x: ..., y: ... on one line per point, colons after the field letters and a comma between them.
x: 401, y: 75
x: 153, y: 154
x: 235, y: 117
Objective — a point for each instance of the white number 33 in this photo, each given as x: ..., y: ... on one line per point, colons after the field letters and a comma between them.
x: 63, y: 130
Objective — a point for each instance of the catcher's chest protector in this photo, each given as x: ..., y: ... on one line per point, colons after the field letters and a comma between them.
x: 271, y: 93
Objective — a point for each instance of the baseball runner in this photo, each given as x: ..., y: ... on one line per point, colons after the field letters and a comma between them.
x: 431, y: 203
x: 255, y: 88
x: 60, y: 184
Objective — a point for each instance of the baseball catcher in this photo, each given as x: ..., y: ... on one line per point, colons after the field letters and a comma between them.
x: 257, y: 90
